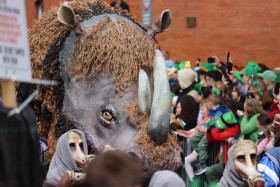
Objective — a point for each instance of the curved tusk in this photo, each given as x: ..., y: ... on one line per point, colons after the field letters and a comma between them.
x: 160, y: 113
x: 144, y: 92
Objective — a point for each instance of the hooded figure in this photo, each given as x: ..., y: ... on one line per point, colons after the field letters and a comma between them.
x: 166, y: 179
x: 230, y: 176
x: 186, y: 78
x: 63, y: 159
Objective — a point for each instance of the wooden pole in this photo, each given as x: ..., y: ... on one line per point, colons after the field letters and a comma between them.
x: 8, y: 94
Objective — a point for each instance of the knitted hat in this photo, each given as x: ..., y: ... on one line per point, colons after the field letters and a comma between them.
x: 253, y: 65
x: 249, y: 71
x: 226, y: 120
x: 269, y: 76
x: 205, y: 67
x: 238, y: 76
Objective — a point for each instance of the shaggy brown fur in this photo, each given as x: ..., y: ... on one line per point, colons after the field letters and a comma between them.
x: 120, y: 50
x: 149, y: 148
x: 116, y: 50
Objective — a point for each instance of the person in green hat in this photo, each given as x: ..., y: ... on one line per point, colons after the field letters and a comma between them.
x: 203, y: 69
x: 226, y: 120
x: 269, y: 78
x: 248, y: 73
x: 225, y: 136
x: 254, y: 65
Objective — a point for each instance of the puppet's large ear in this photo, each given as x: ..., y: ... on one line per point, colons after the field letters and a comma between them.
x: 66, y: 16
x: 162, y: 24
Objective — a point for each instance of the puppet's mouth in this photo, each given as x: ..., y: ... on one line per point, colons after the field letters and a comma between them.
x: 172, y: 161
x: 82, y: 164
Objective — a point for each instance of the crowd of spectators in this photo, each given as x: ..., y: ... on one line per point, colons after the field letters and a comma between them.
x: 215, y: 105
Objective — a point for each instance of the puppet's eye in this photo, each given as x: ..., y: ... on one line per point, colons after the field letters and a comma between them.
x: 241, y: 158
x: 81, y: 147
x: 72, y: 145
x: 107, y: 115
x: 253, y: 156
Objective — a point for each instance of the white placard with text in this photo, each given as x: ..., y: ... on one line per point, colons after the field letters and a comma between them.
x: 14, y: 48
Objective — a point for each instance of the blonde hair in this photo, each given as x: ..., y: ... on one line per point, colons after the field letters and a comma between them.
x: 252, y: 107
x: 204, y: 102
x: 215, y: 99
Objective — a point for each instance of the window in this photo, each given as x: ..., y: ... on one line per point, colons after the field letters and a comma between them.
x: 40, y: 6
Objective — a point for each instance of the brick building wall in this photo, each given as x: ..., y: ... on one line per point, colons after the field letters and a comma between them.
x: 249, y: 29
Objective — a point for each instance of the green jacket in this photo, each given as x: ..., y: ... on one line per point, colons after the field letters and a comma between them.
x: 249, y: 128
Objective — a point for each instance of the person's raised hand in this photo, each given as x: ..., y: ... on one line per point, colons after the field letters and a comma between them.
x: 240, y: 113
x: 197, y: 63
x: 217, y: 62
x: 230, y: 140
x: 231, y: 76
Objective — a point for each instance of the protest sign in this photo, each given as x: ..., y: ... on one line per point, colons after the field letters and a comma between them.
x: 14, y: 49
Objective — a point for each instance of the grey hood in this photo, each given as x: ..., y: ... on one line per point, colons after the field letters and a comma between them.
x: 230, y: 176
x: 63, y: 159
x: 166, y: 179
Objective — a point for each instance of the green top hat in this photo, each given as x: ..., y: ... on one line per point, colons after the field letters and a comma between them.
x: 254, y: 65
x: 249, y: 71
x: 226, y: 120
x: 205, y: 67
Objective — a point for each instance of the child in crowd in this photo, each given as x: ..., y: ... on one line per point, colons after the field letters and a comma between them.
x: 225, y: 134
x: 248, y: 126
x: 198, y: 141
x: 235, y: 94
x: 259, y: 91
x: 186, y: 114
x: 215, y: 108
x: 235, y: 99
x: 264, y: 122
x: 199, y: 128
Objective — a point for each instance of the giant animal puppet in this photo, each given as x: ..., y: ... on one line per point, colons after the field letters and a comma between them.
x: 112, y: 80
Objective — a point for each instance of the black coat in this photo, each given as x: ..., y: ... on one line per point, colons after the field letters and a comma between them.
x: 19, y: 149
